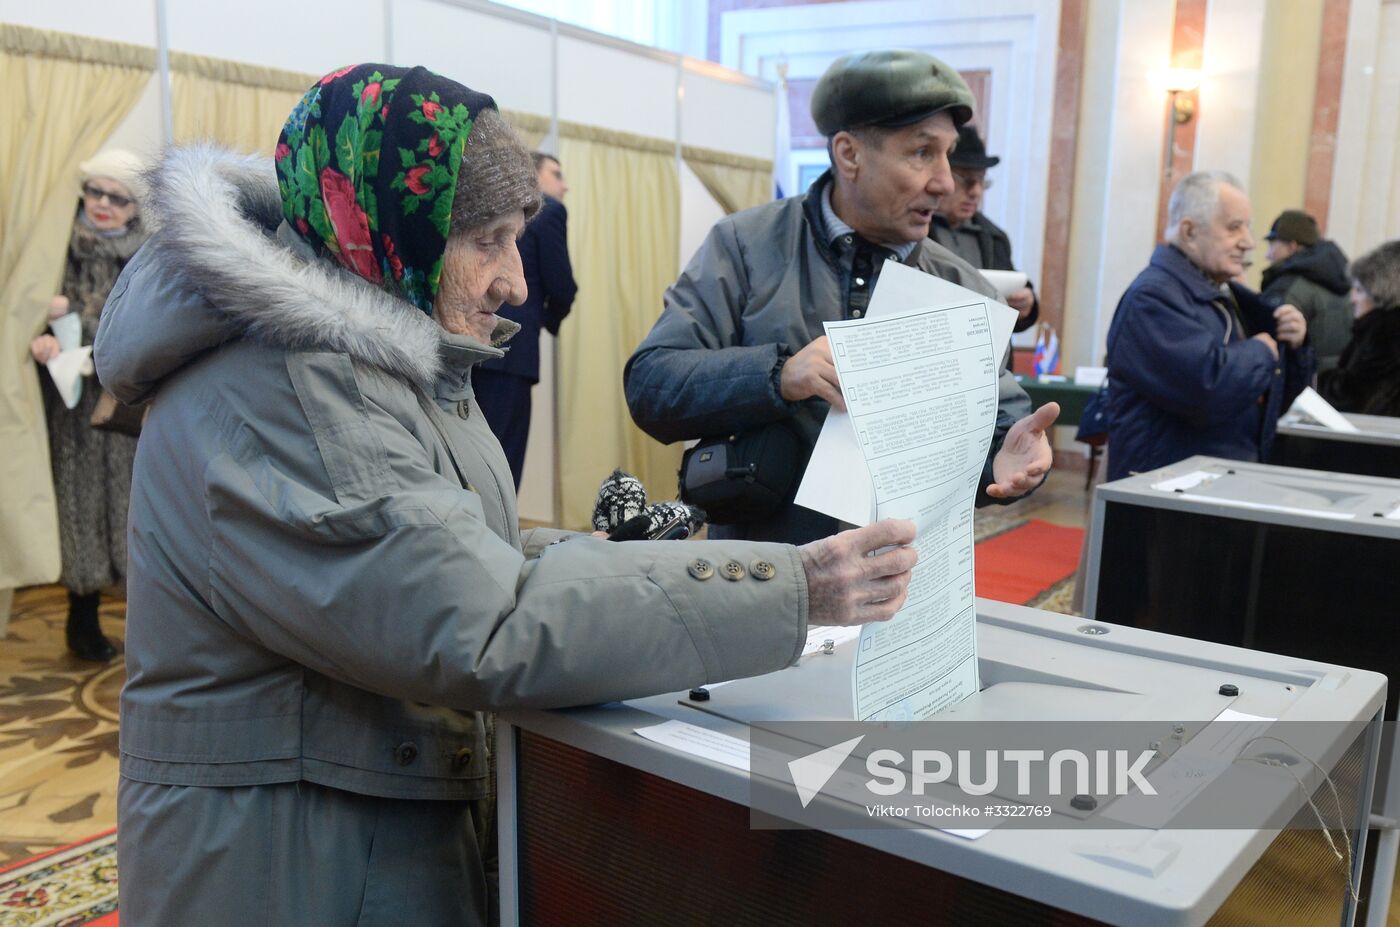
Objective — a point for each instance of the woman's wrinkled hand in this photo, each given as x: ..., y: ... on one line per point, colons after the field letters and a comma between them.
x: 861, y: 575
x: 58, y: 307
x: 44, y: 348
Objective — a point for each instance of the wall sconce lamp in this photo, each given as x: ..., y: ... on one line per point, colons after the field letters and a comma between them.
x: 1178, y: 82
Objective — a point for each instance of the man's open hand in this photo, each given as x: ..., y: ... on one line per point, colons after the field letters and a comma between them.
x: 1025, y: 456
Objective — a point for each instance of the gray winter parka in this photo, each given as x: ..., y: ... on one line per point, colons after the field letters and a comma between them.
x: 327, y: 581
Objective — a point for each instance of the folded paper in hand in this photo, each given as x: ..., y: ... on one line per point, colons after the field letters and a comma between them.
x: 1005, y: 281
x: 67, y: 371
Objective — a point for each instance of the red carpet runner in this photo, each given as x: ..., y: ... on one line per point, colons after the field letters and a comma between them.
x: 73, y: 886
x: 1019, y: 564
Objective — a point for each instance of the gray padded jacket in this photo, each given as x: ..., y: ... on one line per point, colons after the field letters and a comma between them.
x: 327, y: 581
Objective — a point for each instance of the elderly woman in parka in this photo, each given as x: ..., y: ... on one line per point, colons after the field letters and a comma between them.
x: 328, y: 583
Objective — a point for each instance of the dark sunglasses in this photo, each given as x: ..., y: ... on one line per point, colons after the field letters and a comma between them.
x: 116, y: 199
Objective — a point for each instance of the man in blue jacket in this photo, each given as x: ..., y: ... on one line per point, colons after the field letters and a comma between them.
x: 503, y: 386
x: 1199, y: 364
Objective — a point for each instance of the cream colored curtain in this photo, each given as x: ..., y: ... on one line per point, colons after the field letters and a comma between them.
x: 624, y: 239
x: 239, y: 106
x: 532, y: 129
x: 64, y: 94
x: 736, y: 182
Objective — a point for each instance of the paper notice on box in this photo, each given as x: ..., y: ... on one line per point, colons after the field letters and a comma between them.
x: 1313, y: 406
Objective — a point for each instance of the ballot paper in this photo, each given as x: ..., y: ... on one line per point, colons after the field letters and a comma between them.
x: 67, y: 370
x: 1005, y: 281
x: 836, y: 481
x: 920, y: 383
x: 73, y: 361
x: 1313, y: 406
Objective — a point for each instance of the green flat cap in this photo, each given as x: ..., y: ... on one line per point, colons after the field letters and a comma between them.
x: 888, y: 88
x: 1296, y: 226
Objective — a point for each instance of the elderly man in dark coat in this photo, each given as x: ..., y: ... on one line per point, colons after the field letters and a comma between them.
x: 503, y: 385
x: 1197, y: 363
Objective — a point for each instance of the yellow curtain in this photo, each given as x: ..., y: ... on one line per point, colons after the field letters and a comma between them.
x: 532, y: 129
x: 64, y: 96
x: 624, y: 239
x: 240, y: 106
x: 735, y: 181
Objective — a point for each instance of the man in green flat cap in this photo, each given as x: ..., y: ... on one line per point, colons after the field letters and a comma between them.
x: 740, y: 348
x: 1310, y: 272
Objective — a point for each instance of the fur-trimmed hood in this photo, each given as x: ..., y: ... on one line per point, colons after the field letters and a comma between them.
x: 219, y: 269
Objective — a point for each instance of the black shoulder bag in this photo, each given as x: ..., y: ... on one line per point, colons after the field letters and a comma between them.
x: 746, y: 477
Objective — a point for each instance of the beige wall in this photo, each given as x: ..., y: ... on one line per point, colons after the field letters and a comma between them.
x: 1284, y: 114
x: 1366, y: 181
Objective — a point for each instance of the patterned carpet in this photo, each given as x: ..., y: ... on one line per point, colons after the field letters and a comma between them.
x: 58, y: 729
x: 67, y: 887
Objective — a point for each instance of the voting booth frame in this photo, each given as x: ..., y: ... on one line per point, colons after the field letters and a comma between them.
x: 600, y: 825
x: 1311, y: 587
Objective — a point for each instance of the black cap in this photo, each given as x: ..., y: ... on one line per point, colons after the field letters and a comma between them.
x: 1296, y: 226
x: 971, y: 153
x: 888, y: 88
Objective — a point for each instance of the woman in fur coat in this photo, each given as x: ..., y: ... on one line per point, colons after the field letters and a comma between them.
x: 91, y: 468
x: 1367, y: 378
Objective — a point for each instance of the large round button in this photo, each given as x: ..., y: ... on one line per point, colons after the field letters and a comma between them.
x: 763, y: 570
x: 406, y: 753
x: 733, y: 571
x: 462, y: 759
x: 700, y: 569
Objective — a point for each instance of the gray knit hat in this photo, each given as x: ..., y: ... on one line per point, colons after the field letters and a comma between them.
x: 497, y: 175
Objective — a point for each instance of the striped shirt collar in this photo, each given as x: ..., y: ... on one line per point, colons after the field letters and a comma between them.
x: 836, y: 229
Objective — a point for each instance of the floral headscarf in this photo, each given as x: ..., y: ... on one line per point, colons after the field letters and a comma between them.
x: 383, y: 218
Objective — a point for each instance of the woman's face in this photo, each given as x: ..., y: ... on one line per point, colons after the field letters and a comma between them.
x: 480, y: 270
x: 108, y: 203
x: 1361, y: 302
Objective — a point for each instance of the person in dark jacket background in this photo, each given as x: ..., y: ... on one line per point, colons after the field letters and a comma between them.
x: 503, y: 386
x: 1197, y: 363
x: 1367, y: 379
x: 1310, y: 272
x: 960, y: 226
